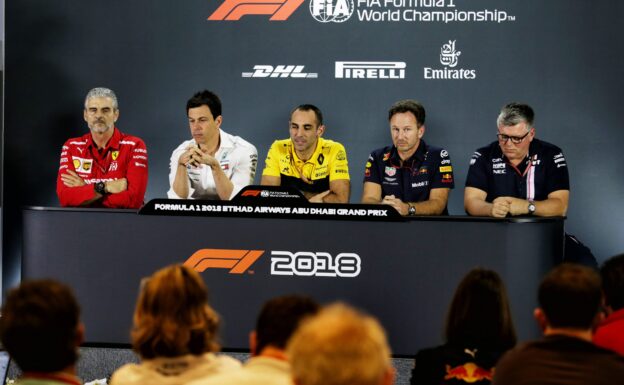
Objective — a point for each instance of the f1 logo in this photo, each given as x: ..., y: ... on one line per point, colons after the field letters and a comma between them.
x: 238, y: 261
x: 235, y: 9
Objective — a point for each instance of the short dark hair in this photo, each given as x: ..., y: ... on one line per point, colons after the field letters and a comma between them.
x: 39, y: 326
x: 514, y: 113
x: 205, y: 98
x: 479, y: 314
x: 570, y: 296
x: 408, y: 105
x: 310, y: 107
x: 280, y: 317
x: 612, y: 274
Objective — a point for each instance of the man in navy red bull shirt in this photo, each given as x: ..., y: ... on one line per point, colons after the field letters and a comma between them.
x: 410, y: 175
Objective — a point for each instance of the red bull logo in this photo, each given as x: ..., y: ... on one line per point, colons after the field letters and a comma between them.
x: 469, y: 372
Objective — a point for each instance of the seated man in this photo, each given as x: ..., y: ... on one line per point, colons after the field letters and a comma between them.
x: 104, y: 168
x: 316, y: 166
x: 518, y: 174
x: 610, y: 333
x: 340, y: 346
x: 410, y: 175
x: 214, y: 164
x: 40, y: 328
x: 268, y: 365
x: 569, y: 307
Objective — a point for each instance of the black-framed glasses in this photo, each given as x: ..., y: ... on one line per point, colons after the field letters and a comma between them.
x: 514, y: 139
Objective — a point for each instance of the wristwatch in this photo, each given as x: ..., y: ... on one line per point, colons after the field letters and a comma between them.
x: 100, y: 188
x: 531, y: 208
x: 411, y: 210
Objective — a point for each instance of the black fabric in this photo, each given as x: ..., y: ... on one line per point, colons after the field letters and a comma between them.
x: 560, y: 360
x: 452, y: 365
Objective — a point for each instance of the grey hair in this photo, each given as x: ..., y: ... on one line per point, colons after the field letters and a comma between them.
x: 514, y: 113
x: 102, y: 92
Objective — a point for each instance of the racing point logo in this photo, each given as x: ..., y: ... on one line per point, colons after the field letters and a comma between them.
x: 279, y: 10
x: 238, y: 261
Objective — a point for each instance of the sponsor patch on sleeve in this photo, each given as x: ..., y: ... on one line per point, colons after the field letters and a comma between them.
x: 446, y: 168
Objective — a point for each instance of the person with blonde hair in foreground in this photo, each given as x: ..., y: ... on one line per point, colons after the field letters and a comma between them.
x: 340, y: 346
x: 174, y: 332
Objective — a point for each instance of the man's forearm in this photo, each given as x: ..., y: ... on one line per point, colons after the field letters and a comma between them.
x: 551, y: 207
x: 180, y: 183
x: 333, y: 197
x: 429, y: 207
x: 478, y: 208
x: 223, y: 184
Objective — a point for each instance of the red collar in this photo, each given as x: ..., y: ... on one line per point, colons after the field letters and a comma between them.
x: 58, y: 377
x: 614, y: 317
x: 113, y: 142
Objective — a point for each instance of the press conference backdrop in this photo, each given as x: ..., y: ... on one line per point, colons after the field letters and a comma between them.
x: 463, y: 59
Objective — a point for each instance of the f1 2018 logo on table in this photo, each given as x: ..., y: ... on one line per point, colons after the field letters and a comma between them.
x: 319, y: 264
x: 301, y: 263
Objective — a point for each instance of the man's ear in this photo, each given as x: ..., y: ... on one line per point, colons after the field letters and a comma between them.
x: 320, y: 130
x: 421, y: 131
x: 541, y: 319
x: 80, y: 333
x: 253, y: 343
x: 388, y: 378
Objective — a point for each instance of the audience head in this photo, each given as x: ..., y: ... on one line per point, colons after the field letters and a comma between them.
x: 569, y: 297
x: 279, y: 319
x: 40, y: 326
x: 612, y: 274
x: 479, y: 314
x: 340, y: 346
x: 172, y: 315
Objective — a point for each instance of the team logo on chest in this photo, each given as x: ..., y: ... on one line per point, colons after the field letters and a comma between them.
x: 114, y: 155
x: 390, y: 171
x: 82, y: 165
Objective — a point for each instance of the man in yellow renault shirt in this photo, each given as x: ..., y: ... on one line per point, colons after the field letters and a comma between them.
x: 316, y: 166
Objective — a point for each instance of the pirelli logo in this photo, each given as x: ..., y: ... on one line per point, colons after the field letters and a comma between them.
x: 238, y: 261
x: 279, y: 10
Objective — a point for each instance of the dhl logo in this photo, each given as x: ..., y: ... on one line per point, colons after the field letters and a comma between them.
x: 235, y: 9
x: 238, y: 261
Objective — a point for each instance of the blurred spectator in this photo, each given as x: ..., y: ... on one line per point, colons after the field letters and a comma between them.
x: 40, y: 328
x: 569, y: 299
x: 479, y: 329
x: 340, y: 346
x: 610, y: 333
x: 277, y: 321
x: 174, y: 332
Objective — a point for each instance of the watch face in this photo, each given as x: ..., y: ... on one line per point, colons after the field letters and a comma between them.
x: 531, y: 208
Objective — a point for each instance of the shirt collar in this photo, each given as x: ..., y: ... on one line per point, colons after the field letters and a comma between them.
x: 418, y: 156
x: 315, y: 154
x: 616, y: 316
x: 113, y: 142
x: 57, y: 377
x: 225, y: 140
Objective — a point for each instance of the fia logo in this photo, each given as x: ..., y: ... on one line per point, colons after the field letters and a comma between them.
x: 448, y: 54
x: 336, y: 11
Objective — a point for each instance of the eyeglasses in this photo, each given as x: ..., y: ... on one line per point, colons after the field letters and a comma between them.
x: 514, y: 139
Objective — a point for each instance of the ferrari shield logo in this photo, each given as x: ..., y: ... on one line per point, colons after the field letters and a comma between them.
x: 114, y: 155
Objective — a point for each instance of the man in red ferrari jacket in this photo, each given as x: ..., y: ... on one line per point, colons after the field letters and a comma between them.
x: 104, y: 168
